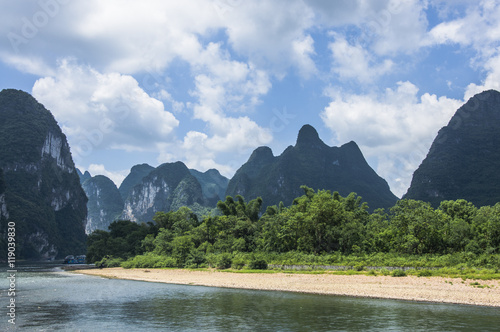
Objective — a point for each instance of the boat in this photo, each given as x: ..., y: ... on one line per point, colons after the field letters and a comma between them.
x: 80, y: 259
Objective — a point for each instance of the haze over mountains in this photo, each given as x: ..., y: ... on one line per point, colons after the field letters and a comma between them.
x: 41, y: 191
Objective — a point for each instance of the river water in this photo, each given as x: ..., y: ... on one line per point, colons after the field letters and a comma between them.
x: 49, y: 299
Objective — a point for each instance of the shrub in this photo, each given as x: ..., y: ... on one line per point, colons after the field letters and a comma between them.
x: 223, y: 261
x: 109, y: 262
x: 385, y: 272
x: 398, y: 273
x: 424, y: 273
x: 149, y: 260
x: 165, y: 261
x: 359, y: 267
x: 238, y: 263
x: 258, y: 264
x: 195, y: 259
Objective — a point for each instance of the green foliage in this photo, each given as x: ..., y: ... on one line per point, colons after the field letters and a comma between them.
x: 257, y: 264
x: 220, y: 261
x: 149, y: 260
x: 321, y: 228
x: 109, y: 262
x: 425, y: 273
x: 398, y: 273
x: 124, y: 239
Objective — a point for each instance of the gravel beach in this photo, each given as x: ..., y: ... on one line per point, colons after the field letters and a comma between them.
x: 432, y: 289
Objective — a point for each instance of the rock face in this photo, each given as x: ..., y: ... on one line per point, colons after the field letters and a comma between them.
x: 464, y: 159
x: 213, y: 184
x: 83, y: 176
x: 312, y: 163
x: 166, y: 188
x: 41, y: 188
x: 137, y: 173
x: 105, y: 203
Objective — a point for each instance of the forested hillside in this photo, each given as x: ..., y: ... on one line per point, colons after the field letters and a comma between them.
x: 322, y: 224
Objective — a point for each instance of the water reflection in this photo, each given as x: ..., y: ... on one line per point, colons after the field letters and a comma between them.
x: 69, y: 302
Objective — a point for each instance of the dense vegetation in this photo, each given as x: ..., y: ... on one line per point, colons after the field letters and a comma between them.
x: 320, y: 228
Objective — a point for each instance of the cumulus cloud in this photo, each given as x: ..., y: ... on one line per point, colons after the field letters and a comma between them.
x: 223, y: 88
x: 272, y: 34
x: 116, y: 176
x: 479, y: 29
x: 103, y: 111
x: 355, y: 62
x: 396, y: 128
x: 231, y: 52
x: 398, y: 27
x: 492, y: 80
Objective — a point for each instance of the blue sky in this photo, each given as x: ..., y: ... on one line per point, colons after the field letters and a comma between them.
x: 207, y: 82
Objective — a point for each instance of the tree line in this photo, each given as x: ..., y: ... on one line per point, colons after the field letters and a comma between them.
x: 317, y: 223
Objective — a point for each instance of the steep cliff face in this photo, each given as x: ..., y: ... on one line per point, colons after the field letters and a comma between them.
x: 166, y: 188
x: 312, y: 163
x: 213, y: 184
x: 42, y: 193
x: 83, y: 176
x: 137, y: 173
x: 464, y: 159
x: 105, y: 203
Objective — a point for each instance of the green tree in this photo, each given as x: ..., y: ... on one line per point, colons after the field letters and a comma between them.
x: 416, y: 227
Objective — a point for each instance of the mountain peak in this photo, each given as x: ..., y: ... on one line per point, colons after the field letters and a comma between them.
x: 308, y: 136
x: 262, y: 153
x: 463, y: 159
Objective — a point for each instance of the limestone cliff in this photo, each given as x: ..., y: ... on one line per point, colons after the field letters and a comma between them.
x: 42, y: 192
x: 105, y: 203
x: 166, y: 188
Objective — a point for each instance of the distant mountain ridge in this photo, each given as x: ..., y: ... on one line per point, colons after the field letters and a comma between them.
x: 312, y: 163
x: 464, y: 159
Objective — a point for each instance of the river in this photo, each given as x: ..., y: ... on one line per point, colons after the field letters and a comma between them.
x: 49, y: 299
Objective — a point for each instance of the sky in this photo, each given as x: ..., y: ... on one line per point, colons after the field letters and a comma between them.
x: 207, y: 82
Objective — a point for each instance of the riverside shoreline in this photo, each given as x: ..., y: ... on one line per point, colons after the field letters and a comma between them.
x: 428, y: 289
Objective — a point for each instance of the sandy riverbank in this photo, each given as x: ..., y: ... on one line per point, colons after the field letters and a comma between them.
x: 433, y: 289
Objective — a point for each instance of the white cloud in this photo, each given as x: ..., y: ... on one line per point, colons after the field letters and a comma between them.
x: 479, y: 28
x: 302, y: 51
x: 137, y: 36
x: 102, y: 111
x: 224, y: 87
x: 399, y: 27
x: 396, y: 128
x: 272, y: 34
x: 492, y: 80
x: 116, y: 176
x: 354, y: 62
